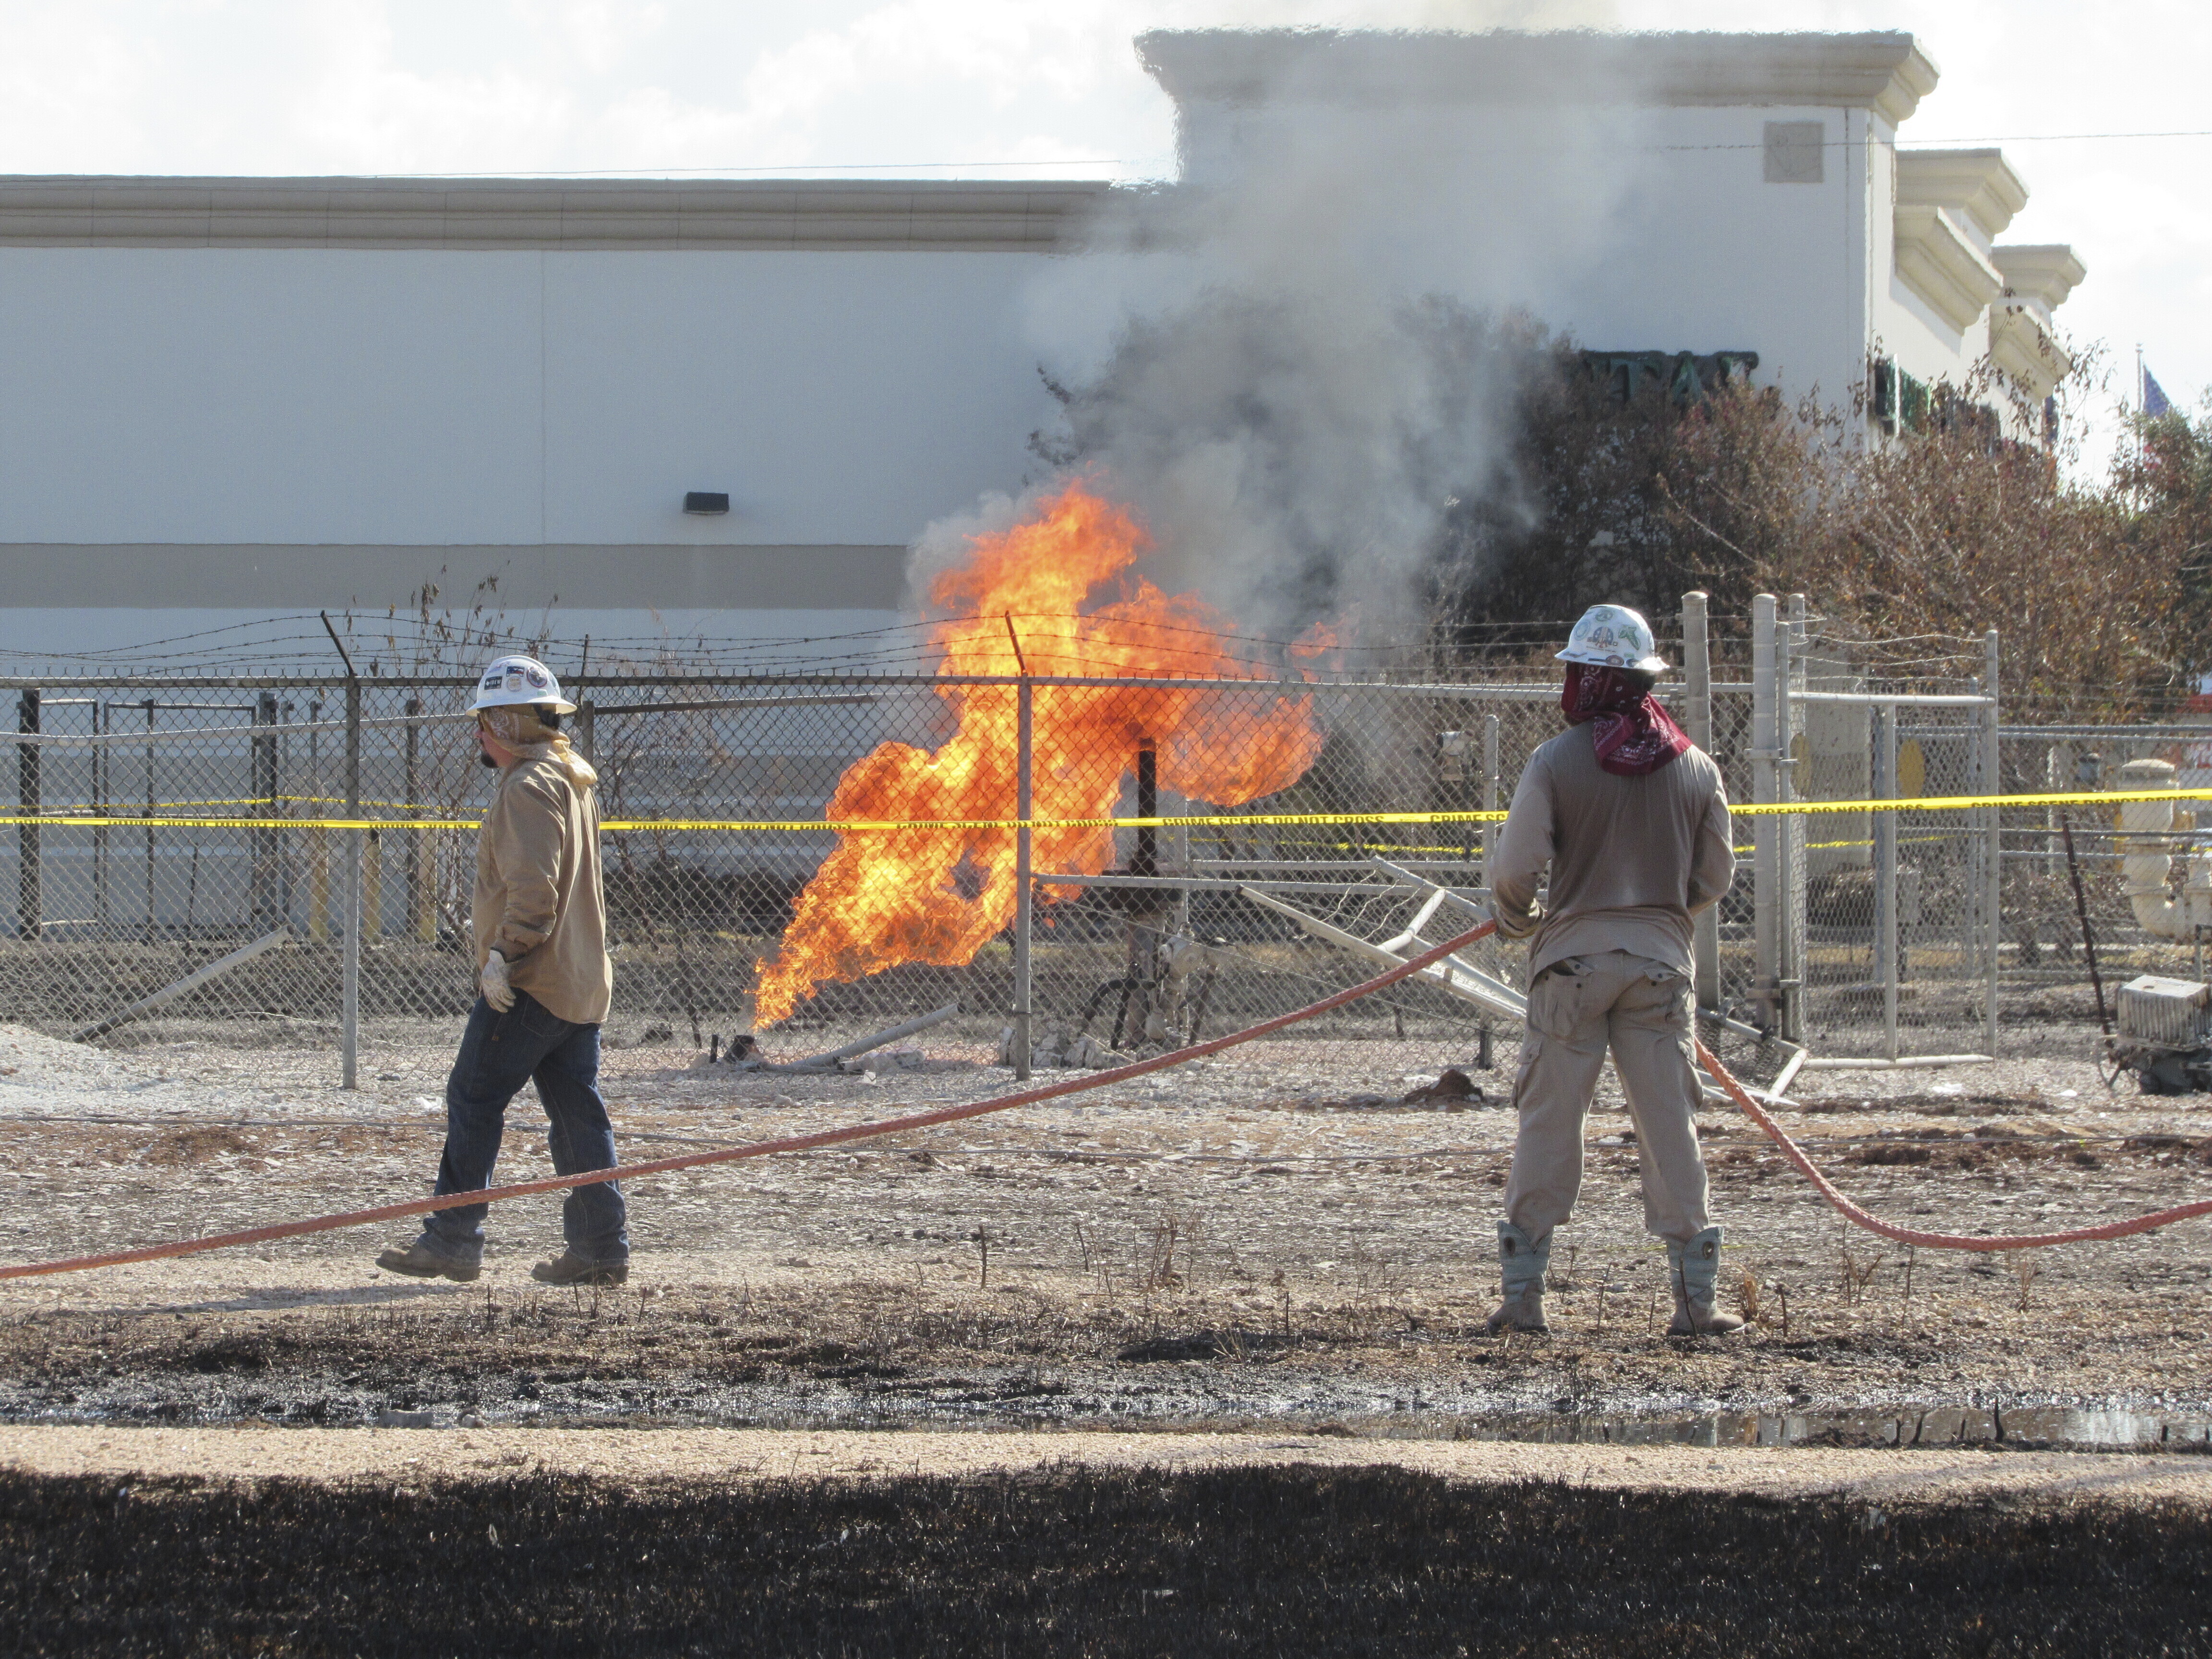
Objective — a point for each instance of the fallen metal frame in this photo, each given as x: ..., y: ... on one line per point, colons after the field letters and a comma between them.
x: 831, y: 1060
x: 170, y: 993
x: 1463, y: 979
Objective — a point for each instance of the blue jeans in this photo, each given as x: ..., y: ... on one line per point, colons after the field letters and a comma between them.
x: 500, y: 1053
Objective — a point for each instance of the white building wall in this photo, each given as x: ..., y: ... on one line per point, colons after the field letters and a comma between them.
x: 209, y: 411
x: 1627, y: 229
x: 1772, y: 268
x: 433, y: 399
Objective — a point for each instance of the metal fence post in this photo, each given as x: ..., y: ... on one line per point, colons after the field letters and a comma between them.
x: 349, y: 995
x: 421, y: 920
x: 1766, y: 830
x: 264, y: 789
x: 1886, y: 961
x: 1697, y: 709
x: 319, y: 846
x: 1993, y: 783
x: 1790, y: 678
x: 1490, y: 791
x: 149, y: 706
x: 30, y: 900
x: 100, y: 906
x: 1024, y: 722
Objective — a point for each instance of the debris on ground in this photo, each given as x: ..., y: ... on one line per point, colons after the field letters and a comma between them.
x: 1057, y: 1048
x: 1452, y: 1090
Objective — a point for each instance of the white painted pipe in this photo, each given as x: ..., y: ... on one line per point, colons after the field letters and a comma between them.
x: 2147, y: 867
x: 190, y: 981
x: 1902, y: 1063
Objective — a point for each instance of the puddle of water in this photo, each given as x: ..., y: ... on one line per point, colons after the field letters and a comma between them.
x: 2025, y: 1427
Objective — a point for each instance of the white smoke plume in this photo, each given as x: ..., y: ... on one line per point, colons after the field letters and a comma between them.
x: 1289, y: 362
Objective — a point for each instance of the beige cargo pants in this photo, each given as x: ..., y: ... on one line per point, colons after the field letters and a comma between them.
x: 1576, y: 1008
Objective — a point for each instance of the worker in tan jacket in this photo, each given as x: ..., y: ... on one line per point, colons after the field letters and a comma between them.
x: 1632, y: 820
x: 540, y: 928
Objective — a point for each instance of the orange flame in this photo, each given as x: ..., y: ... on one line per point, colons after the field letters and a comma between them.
x: 884, y: 898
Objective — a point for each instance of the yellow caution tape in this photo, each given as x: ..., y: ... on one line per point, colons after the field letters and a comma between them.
x: 169, y: 807
x: 1215, y: 820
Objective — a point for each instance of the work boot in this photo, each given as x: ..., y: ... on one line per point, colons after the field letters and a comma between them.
x: 569, y: 1269
x: 1522, y: 1263
x: 1695, y: 1268
x: 417, y: 1262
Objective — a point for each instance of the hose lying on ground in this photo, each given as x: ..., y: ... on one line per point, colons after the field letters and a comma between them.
x: 1873, y: 1223
x: 324, y: 1223
x: 1850, y: 1210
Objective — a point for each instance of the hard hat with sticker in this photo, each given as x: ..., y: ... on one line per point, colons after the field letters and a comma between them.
x: 1613, y: 637
x: 518, y: 679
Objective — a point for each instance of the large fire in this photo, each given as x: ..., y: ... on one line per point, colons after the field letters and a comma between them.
x: 1062, y: 583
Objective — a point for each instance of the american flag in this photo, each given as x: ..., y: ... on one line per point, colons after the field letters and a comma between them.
x: 2154, y: 400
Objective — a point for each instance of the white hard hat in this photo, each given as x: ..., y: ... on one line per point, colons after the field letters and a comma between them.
x: 511, y: 680
x: 1613, y: 637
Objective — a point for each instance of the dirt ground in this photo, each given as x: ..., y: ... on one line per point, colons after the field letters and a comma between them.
x: 1191, y: 1365
x: 1272, y: 1239
x: 691, y: 1457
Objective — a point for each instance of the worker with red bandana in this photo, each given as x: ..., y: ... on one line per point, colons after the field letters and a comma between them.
x: 1632, y: 820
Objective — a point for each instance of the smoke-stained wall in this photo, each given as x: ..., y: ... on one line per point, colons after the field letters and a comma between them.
x: 1297, y: 361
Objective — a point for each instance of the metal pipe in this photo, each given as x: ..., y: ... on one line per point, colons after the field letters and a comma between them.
x: 30, y: 899
x: 1909, y: 1062
x: 1145, y: 860
x: 1698, y: 708
x: 1232, y: 866
x: 861, y: 1045
x: 150, y: 804
x: 1766, y: 831
x: 82, y: 740
x: 1887, y: 965
x: 100, y: 766
x: 1226, y: 884
x: 1503, y: 690
x: 417, y: 911
x: 1894, y: 699
x: 350, y: 988
x: 1025, y: 737
x: 1993, y: 860
x: 2111, y: 733
x: 262, y: 842
x: 2088, y: 937
x: 190, y: 981
x: 1790, y: 786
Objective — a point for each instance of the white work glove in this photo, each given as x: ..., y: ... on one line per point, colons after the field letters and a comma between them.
x: 1516, y: 927
x: 493, y: 983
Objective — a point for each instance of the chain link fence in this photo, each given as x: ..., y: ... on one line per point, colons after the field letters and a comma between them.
x: 826, y: 856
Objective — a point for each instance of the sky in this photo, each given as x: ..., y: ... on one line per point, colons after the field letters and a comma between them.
x: 1041, y: 88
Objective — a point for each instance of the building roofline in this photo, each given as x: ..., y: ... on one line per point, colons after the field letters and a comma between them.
x: 852, y: 214
x: 1885, y: 72
x: 2045, y: 272
x: 1978, y: 182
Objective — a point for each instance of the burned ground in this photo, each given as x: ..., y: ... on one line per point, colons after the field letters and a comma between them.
x: 1271, y: 1561
x: 1224, y: 1245
x: 1284, y: 1244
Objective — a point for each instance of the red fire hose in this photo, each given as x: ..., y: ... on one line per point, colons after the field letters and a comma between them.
x: 1873, y: 1223
x: 323, y: 1223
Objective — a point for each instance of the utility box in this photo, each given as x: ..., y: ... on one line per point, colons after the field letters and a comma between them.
x: 2165, y: 1014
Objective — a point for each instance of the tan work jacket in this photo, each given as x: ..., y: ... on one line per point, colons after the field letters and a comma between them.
x: 539, y: 899
x: 1632, y: 859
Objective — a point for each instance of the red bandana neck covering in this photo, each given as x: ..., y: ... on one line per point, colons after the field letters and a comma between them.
x: 1632, y: 734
